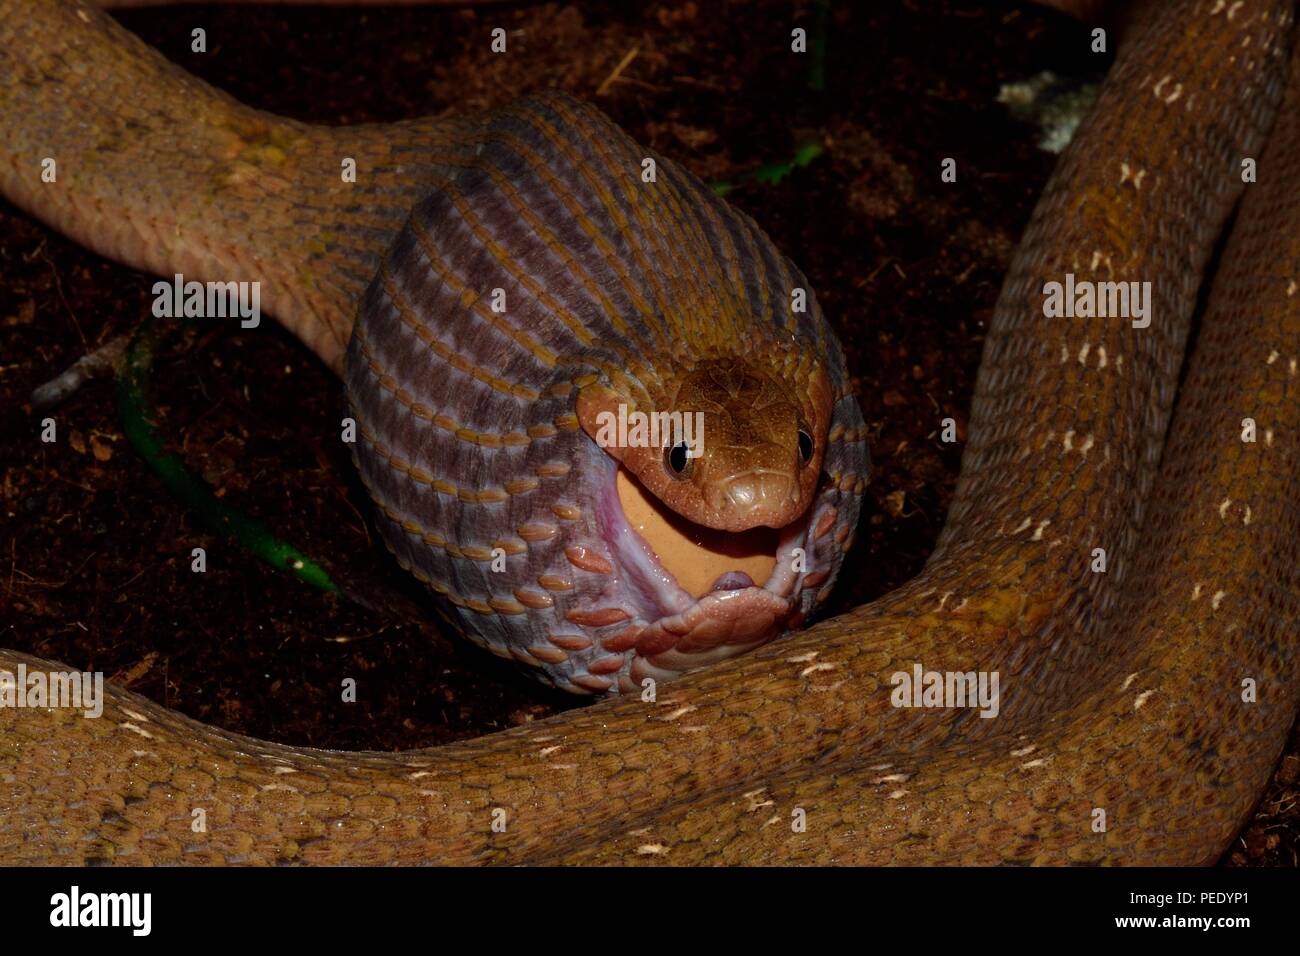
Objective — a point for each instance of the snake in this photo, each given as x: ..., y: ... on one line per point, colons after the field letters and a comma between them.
x: 1121, y: 550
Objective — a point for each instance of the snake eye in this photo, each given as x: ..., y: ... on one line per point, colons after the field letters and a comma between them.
x: 677, y: 462
x: 805, y: 446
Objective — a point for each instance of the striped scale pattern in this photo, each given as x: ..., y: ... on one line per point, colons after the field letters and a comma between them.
x: 542, y: 265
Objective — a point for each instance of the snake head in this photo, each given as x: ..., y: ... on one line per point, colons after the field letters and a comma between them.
x: 733, y: 446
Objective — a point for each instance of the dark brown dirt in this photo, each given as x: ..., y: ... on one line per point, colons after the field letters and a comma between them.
x: 97, y: 553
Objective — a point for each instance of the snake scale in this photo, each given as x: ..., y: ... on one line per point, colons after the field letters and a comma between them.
x: 1122, y: 689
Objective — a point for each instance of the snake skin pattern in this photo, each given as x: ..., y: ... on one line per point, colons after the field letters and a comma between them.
x: 1124, y: 734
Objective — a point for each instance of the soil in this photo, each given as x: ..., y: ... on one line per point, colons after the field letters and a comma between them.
x: 908, y: 268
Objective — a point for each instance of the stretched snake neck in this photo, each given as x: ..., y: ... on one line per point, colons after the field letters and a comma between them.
x: 562, y: 281
x: 1121, y: 554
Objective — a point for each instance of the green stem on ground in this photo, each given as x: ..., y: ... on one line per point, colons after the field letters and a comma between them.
x: 138, y: 417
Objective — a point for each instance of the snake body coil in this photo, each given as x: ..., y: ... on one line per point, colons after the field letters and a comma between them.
x: 1122, y: 689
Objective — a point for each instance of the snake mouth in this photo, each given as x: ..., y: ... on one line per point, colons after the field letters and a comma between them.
x: 692, y: 591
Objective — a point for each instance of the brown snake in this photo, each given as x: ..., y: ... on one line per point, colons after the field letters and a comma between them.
x: 1122, y: 689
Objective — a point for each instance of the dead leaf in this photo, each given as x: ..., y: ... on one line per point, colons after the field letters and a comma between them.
x: 895, y: 502
x: 102, y: 450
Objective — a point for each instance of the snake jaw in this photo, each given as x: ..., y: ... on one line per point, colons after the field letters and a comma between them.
x: 740, y: 550
x: 672, y: 629
x: 735, y: 549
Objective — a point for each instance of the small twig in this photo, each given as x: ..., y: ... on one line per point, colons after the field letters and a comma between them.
x: 107, y: 358
x: 622, y: 65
